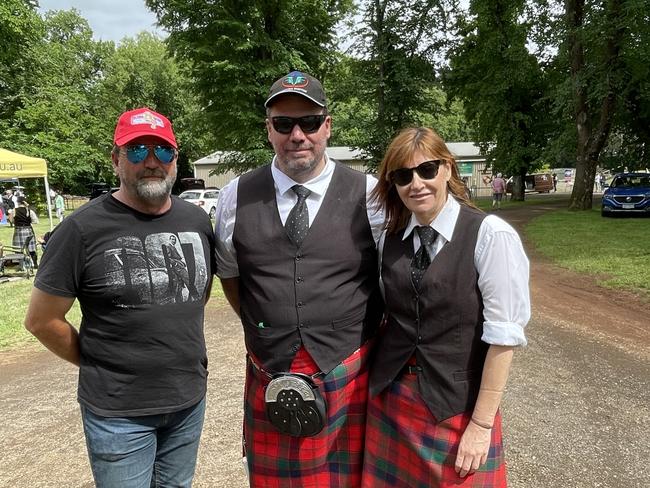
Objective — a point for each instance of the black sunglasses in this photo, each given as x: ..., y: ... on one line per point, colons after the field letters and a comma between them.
x: 426, y: 170
x: 308, y: 124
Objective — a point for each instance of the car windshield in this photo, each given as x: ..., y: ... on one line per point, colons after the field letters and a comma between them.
x: 190, y: 195
x: 631, y: 181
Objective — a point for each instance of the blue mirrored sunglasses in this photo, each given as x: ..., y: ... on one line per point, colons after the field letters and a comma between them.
x: 136, y: 153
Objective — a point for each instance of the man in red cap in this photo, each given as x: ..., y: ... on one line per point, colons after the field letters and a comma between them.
x: 297, y: 260
x: 140, y: 347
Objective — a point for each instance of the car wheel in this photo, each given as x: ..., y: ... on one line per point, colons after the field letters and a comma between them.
x: 213, y: 213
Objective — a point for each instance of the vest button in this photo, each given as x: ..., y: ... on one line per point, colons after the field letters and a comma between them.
x: 301, y: 324
x: 299, y: 279
x: 299, y: 304
x: 295, y: 347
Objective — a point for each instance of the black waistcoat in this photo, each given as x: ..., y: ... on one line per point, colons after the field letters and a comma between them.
x: 323, y: 294
x: 22, y: 217
x: 441, y: 324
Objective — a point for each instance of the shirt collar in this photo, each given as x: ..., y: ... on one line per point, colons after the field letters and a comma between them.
x: 444, y: 223
x: 317, y: 185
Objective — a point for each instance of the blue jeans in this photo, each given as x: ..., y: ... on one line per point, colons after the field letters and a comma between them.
x: 144, y: 452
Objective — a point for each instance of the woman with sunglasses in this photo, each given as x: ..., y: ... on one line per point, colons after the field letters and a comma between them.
x: 457, y: 301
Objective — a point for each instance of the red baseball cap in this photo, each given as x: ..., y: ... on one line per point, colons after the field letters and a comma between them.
x: 143, y: 122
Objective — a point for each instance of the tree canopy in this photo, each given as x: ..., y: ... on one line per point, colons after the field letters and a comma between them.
x: 502, y: 86
x: 235, y: 51
x: 537, y: 83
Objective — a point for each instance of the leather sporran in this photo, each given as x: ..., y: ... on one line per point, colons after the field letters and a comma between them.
x: 294, y: 405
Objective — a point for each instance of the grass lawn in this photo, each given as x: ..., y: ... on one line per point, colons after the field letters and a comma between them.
x: 614, y: 251
x: 16, y: 296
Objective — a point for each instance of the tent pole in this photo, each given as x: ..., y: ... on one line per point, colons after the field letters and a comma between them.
x: 49, y: 202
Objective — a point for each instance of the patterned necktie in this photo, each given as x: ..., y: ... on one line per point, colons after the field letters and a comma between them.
x: 422, y: 260
x: 297, y: 223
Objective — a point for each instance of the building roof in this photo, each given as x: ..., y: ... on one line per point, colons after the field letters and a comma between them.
x: 465, y: 150
x: 213, y: 158
x: 345, y: 153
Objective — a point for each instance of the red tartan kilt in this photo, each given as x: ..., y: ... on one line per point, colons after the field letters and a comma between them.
x: 334, y: 457
x: 406, y: 447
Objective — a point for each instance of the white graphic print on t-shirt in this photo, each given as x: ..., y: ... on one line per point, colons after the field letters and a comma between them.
x: 166, y: 268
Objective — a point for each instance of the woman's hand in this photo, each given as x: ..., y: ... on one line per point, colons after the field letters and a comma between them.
x: 473, y: 449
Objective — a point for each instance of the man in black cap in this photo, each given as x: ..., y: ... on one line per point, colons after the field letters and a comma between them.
x: 296, y: 255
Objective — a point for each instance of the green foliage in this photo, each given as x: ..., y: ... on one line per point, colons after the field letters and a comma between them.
x: 235, y: 50
x: 57, y: 119
x: 354, y: 108
x: 20, y: 29
x: 78, y: 87
x: 502, y: 86
x: 397, y: 44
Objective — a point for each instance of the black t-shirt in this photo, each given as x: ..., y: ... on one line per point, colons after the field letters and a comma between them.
x: 141, y: 282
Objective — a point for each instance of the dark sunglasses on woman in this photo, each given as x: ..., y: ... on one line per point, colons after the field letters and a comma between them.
x: 136, y: 153
x: 426, y: 170
x: 308, y: 124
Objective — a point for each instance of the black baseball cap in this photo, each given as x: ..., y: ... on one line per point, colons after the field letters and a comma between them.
x: 298, y: 83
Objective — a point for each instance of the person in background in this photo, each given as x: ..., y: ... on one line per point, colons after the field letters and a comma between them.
x: 42, y: 241
x: 23, y: 218
x: 555, y: 182
x: 140, y: 352
x: 4, y: 217
x: 59, y: 206
x: 457, y: 302
x: 498, y: 190
x: 296, y: 247
x: 9, y: 205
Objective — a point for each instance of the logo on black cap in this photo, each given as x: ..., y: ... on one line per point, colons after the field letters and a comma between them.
x: 295, y: 79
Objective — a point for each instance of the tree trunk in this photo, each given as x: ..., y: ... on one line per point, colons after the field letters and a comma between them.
x: 519, y: 186
x: 591, y: 141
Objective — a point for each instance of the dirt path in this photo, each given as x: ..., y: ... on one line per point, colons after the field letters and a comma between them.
x: 577, y: 409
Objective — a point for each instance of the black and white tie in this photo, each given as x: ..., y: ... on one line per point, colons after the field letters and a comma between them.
x: 422, y: 259
x: 297, y: 223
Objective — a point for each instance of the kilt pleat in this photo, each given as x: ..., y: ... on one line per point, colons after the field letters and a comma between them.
x: 407, y: 448
x: 20, y: 237
x: 334, y: 457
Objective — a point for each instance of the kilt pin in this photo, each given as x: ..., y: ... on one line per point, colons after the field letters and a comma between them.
x: 334, y: 457
x: 406, y: 447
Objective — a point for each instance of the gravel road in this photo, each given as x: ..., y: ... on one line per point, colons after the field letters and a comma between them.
x: 576, y: 412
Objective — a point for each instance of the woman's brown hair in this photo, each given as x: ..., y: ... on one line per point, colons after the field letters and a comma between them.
x: 400, y: 151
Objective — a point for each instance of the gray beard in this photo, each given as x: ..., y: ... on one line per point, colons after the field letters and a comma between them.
x: 155, y: 191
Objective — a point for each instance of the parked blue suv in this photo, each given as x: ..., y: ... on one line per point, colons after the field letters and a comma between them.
x: 628, y: 192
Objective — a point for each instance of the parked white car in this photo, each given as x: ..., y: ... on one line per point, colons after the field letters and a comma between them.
x: 206, y: 199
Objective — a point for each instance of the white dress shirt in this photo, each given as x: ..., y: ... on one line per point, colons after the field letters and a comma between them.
x: 503, y: 272
x: 286, y: 198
